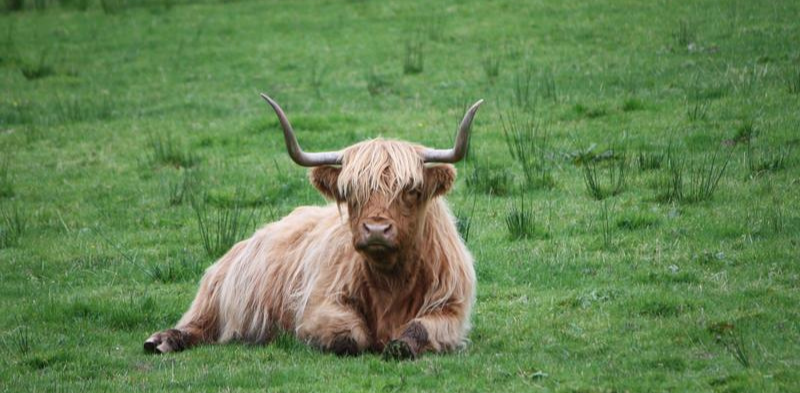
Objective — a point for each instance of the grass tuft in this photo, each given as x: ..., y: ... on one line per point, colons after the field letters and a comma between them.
x: 606, y: 227
x: 523, y: 94
x: 732, y: 339
x: 464, y: 219
x: 6, y: 181
x: 183, y: 267
x: 767, y: 159
x: 73, y: 109
x: 704, y: 179
x: 182, y: 189
x: 632, y: 104
x: 776, y: 216
x: 527, y: 143
x: 688, y: 182
x: 547, y: 86
x: 520, y: 219
x: 793, y: 82
x: 39, y: 70
x: 166, y: 150
x: 664, y: 308
x: 609, y: 181
x: 13, y: 224
x: 316, y: 78
x: 684, y: 34
x: 19, y: 341
x: 636, y: 221
x: 434, y: 28
x: 414, y: 59
x: 112, y: 7
x: 488, y: 180
x: 647, y: 161
x: 589, y: 112
x: 221, y: 228
x: 14, y: 5
x: 377, y: 84
x: 491, y: 65
x: 671, y: 185
x: 528, y: 86
x: 745, y: 133
x: 80, y: 5
x: 697, y: 109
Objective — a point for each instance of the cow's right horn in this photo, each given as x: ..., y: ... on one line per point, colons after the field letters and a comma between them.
x: 298, y: 155
x: 459, y: 149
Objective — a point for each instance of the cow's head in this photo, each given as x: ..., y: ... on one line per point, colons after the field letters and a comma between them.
x: 385, y: 184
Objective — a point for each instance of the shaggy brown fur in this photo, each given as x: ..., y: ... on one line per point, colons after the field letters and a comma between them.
x: 312, y: 273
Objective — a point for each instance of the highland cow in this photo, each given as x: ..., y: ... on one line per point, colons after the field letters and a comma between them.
x: 389, y: 273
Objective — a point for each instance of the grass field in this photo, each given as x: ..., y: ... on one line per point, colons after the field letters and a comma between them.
x: 631, y: 196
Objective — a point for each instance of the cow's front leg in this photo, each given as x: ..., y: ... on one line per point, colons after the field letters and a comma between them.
x: 335, y: 328
x: 439, y: 331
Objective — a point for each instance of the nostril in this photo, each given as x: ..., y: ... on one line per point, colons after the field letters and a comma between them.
x: 375, y: 229
x: 367, y: 229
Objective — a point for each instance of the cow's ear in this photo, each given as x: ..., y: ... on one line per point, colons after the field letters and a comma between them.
x: 326, y: 179
x: 439, y: 179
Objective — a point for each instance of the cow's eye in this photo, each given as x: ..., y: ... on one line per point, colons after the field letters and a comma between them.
x: 413, y: 195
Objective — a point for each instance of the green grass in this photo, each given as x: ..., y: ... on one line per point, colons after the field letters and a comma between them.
x: 638, y: 292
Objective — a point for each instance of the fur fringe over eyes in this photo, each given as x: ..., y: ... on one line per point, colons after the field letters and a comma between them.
x: 380, y: 166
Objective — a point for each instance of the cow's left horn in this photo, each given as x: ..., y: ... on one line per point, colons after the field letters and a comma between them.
x: 459, y: 150
x: 298, y: 155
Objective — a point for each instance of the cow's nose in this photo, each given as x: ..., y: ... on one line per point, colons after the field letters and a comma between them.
x: 383, y: 230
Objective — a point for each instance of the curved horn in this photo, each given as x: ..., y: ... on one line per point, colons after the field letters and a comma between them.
x: 459, y: 150
x: 298, y: 155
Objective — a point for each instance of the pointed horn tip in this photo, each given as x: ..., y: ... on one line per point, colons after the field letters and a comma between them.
x: 272, y: 103
x: 266, y: 97
x: 474, y: 108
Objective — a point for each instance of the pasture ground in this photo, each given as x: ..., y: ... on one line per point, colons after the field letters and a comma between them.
x: 653, y: 245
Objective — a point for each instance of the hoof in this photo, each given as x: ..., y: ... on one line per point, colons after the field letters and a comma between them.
x: 151, y: 346
x: 167, y: 341
x: 344, y: 346
x: 398, y: 350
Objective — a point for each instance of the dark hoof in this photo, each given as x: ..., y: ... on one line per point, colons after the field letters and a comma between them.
x: 398, y: 350
x: 151, y: 347
x: 344, y: 346
x: 171, y: 340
